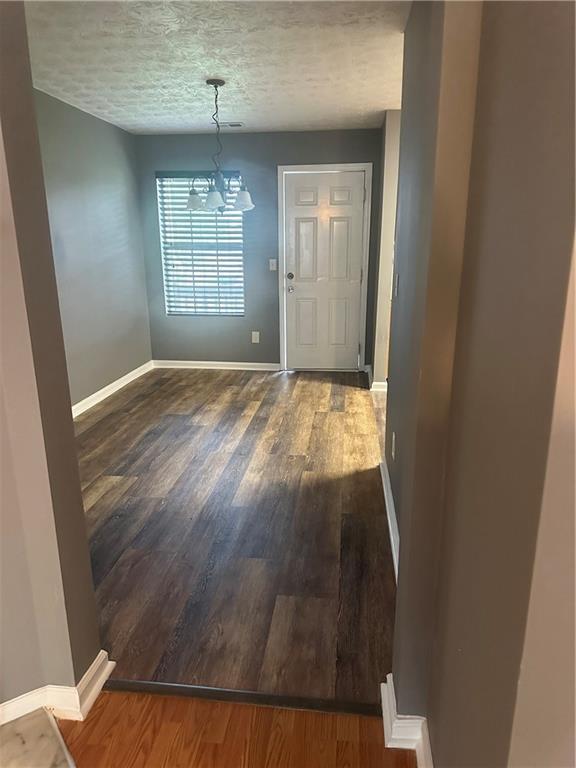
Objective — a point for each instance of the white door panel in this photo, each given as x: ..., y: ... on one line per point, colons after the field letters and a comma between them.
x: 323, y: 220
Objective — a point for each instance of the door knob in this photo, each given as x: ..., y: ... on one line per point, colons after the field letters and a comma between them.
x: 290, y: 275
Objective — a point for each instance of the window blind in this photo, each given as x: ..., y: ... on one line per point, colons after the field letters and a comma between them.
x: 202, y: 251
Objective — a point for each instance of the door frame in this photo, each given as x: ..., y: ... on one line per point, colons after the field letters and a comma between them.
x: 283, y: 172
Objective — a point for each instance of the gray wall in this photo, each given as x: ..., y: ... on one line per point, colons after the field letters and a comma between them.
x: 472, y: 388
x: 440, y: 72
x: 548, y: 675
x: 256, y: 156
x: 519, y: 244
x: 49, y: 630
x: 420, y: 94
x: 32, y: 605
x: 91, y: 186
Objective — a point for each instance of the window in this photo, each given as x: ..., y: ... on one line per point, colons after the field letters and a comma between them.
x: 202, y: 251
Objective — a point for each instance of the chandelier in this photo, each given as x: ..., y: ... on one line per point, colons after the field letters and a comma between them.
x: 218, y: 181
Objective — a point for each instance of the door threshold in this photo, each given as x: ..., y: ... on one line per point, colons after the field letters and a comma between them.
x: 243, y: 697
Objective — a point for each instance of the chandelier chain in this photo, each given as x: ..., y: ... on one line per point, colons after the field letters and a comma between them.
x: 216, y: 155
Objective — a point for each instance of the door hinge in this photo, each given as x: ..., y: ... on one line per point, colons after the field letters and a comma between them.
x: 361, y: 275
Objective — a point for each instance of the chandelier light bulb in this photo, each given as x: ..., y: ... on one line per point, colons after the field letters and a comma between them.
x: 195, y: 202
x: 243, y: 200
x: 214, y: 200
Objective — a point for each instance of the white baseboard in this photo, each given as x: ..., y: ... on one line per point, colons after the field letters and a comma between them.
x: 391, y: 514
x: 114, y: 386
x: 216, y: 365
x: 404, y: 731
x: 379, y: 386
x: 109, y: 389
x: 66, y: 702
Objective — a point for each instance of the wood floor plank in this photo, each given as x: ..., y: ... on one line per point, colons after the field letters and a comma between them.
x: 301, y: 648
x: 364, y: 651
x: 102, y: 497
x: 138, y: 730
x: 119, y: 431
x: 254, y: 478
x: 192, y: 721
x: 125, y: 592
x: 147, y: 641
x: 126, y: 745
x: 116, y: 534
x: 238, y: 534
x: 311, y: 563
x: 267, y: 523
x: 101, y: 487
x: 348, y: 754
x: 230, y: 642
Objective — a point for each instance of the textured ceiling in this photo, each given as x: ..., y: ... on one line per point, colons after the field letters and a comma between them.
x: 288, y: 65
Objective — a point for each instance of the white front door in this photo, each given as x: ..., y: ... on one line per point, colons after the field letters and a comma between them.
x: 323, y: 246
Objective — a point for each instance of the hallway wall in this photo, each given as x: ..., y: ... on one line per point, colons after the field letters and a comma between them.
x: 519, y: 242
x: 440, y: 69
x: 472, y: 389
x: 92, y: 192
x: 548, y: 675
x: 48, y: 621
x: 33, y: 612
x: 421, y: 85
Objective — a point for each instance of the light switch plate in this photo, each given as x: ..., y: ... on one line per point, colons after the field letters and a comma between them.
x: 255, y: 337
x: 273, y: 264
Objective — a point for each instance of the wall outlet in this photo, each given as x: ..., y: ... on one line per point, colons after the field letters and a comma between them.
x: 273, y: 265
x: 393, y: 447
x: 255, y: 337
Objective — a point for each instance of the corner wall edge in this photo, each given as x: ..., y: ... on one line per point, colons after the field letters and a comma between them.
x: 391, y: 515
x: 404, y: 731
x: 66, y: 702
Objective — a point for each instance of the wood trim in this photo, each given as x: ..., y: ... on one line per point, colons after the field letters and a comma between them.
x: 246, y: 697
x: 218, y: 365
x: 66, y: 702
x: 391, y: 515
x: 404, y: 731
x: 282, y: 268
x: 92, y: 682
x: 283, y: 170
x: 109, y: 389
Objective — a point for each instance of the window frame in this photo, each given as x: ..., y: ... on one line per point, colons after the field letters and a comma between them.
x: 198, y: 176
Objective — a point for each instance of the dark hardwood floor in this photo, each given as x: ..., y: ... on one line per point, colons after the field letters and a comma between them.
x: 128, y: 730
x: 238, y: 532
